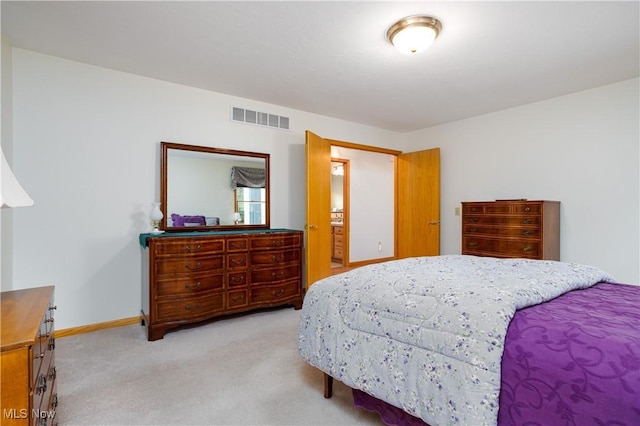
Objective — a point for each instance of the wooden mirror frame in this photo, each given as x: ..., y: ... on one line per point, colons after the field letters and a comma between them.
x: 164, y: 196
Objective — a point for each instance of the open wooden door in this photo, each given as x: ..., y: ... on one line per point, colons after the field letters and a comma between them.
x: 418, y: 204
x: 318, y: 226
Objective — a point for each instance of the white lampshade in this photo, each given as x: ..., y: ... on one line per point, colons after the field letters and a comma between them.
x: 414, y: 34
x: 11, y: 192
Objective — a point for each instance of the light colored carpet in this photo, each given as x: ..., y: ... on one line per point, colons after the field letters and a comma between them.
x: 242, y: 370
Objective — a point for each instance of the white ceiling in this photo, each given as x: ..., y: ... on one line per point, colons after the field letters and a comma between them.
x: 331, y: 58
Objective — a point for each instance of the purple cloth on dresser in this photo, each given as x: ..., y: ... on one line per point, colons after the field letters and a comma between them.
x: 574, y: 360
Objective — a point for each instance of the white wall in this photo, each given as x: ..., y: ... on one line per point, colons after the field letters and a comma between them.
x: 87, y: 141
x: 581, y: 149
x: 6, y: 112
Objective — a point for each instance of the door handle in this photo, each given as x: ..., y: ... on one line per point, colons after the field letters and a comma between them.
x: 310, y: 227
x: 434, y: 223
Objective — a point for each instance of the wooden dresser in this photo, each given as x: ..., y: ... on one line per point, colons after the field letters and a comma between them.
x: 518, y: 228
x: 28, y: 364
x: 191, y: 277
x: 337, y: 243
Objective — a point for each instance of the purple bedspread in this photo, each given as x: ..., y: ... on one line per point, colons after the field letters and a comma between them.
x: 574, y: 360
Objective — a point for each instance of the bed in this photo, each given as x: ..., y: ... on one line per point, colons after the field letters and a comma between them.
x: 479, y: 341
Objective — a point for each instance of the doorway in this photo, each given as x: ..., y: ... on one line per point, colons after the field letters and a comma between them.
x: 339, y: 212
x: 416, y: 202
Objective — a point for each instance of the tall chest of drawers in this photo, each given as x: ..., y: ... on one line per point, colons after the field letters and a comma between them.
x: 28, y: 364
x: 508, y: 229
x: 191, y: 277
x: 337, y: 246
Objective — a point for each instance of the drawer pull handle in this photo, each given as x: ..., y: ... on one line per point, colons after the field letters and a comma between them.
x: 527, y: 248
x: 277, y: 293
x: 237, y: 261
x: 188, y: 249
x: 276, y: 242
x: 277, y: 274
x: 54, y: 401
x: 189, y: 307
x: 42, y: 384
x: 527, y: 221
x: 526, y: 233
x: 279, y: 258
x: 189, y: 286
x: 49, y: 320
x: 52, y: 373
x: 473, y: 230
x: 473, y: 219
x: 192, y: 268
x: 238, y: 298
x: 527, y: 209
x: 51, y: 308
x: 40, y: 355
x: 473, y: 244
x: 52, y: 343
x: 237, y: 279
x: 237, y: 245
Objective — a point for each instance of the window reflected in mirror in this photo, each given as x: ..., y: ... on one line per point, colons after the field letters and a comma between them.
x: 250, y: 205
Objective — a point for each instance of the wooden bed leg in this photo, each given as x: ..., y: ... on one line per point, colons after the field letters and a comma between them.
x: 328, y: 385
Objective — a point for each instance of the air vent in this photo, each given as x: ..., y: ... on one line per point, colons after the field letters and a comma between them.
x: 248, y: 116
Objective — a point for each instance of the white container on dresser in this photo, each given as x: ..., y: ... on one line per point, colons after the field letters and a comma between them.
x: 194, y: 276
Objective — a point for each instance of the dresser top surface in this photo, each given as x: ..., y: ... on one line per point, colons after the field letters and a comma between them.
x: 144, y: 237
x: 515, y: 200
x: 21, y: 313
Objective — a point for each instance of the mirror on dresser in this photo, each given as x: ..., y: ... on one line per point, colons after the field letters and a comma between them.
x: 205, y: 188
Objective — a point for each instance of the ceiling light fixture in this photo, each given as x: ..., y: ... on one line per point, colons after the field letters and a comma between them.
x: 414, y: 34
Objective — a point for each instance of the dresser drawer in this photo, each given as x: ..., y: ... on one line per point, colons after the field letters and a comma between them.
x: 262, y: 276
x: 501, y: 208
x: 337, y: 239
x: 189, y: 285
x: 519, y: 232
x: 187, y: 246
x: 275, y: 242
x: 275, y: 293
x: 486, y: 208
x: 44, y: 382
x: 237, y: 244
x: 274, y: 257
x: 237, y: 299
x: 337, y: 230
x: 193, y: 307
x: 502, y: 220
x: 190, y: 264
x: 237, y: 279
x: 528, y: 208
x: 237, y: 260
x: 501, y: 248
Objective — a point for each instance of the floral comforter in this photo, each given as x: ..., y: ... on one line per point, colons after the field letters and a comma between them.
x: 427, y: 334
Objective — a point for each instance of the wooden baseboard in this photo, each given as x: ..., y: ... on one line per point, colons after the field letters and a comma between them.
x: 95, y: 327
x: 370, y: 262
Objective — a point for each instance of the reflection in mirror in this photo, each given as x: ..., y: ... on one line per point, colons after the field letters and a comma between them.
x: 205, y: 188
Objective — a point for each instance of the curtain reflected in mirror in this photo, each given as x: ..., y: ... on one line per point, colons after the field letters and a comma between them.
x: 209, y: 188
